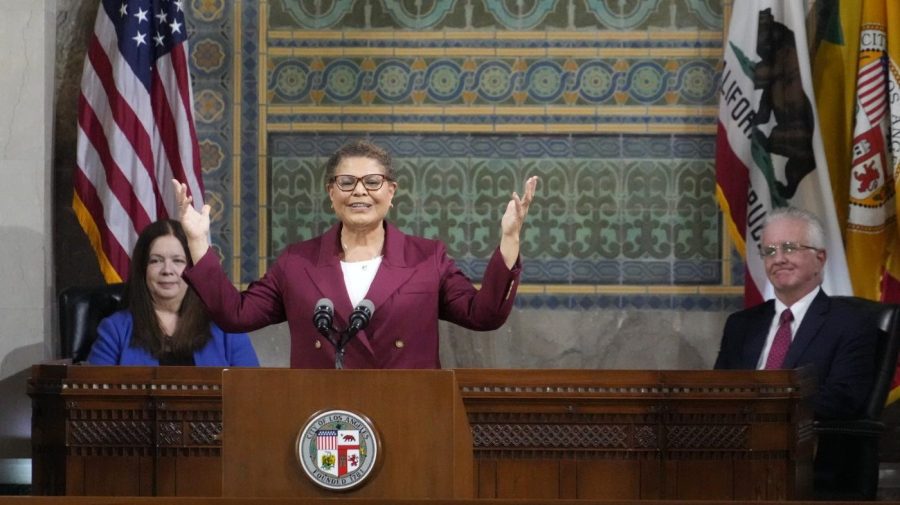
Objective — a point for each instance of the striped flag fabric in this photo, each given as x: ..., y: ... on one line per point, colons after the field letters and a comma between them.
x: 327, y: 440
x: 135, y: 127
x: 769, y: 149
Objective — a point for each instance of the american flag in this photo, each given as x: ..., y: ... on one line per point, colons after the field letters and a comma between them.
x: 326, y: 440
x: 135, y: 126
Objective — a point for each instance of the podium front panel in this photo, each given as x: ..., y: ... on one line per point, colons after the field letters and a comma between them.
x: 423, y: 453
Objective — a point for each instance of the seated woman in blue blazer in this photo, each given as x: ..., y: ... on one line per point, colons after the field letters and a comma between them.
x: 164, y: 322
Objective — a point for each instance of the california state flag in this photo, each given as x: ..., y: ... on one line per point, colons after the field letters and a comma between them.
x: 769, y: 147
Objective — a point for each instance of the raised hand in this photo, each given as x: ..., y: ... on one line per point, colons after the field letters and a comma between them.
x: 195, y: 224
x: 513, y: 219
x: 517, y: 209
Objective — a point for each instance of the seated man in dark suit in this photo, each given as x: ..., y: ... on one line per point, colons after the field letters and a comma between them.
x: 803, y: 325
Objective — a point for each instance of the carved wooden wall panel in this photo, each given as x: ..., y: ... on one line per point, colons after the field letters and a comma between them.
x: 552, y: 434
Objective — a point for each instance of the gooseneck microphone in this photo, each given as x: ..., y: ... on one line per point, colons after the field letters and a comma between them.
x: 323, y: 317
x: 361, y: 316
x: 323, y: 320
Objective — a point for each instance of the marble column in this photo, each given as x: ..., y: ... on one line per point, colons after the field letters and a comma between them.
x: 27, y: 36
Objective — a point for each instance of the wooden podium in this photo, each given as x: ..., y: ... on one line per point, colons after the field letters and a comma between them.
x: 425, y: 448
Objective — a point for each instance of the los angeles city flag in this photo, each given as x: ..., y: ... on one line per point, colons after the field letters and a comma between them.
x: 856, y: 71
x: 769, y: 148
x: 872, y: 225
x: 135, y: 126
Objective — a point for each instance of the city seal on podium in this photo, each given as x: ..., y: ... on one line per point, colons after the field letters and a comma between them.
x: 337, y: 449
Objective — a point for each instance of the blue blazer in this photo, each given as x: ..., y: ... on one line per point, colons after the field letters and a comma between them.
x: 113, y: 346
x: 834, y: 338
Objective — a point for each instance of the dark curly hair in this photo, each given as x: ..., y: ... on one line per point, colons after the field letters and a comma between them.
x: 360, y: 149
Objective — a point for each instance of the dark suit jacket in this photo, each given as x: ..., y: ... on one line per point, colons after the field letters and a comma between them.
x: 416, y: 284
x: 837, y: 340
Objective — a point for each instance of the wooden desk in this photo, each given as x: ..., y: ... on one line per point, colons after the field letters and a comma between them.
x: 640, y: 434
x: 126, y: 431
x: 542, y: 434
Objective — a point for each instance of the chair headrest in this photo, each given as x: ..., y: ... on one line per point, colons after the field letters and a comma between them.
x: 80, y: 311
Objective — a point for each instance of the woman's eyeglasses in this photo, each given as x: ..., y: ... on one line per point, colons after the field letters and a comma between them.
x: 787, y: 248
x: 372, y: 182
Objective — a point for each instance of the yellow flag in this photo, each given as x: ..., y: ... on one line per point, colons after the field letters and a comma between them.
x: 891, y: 281
x: 853, y: 78
x: 834, y: 80
x: 855, y: 73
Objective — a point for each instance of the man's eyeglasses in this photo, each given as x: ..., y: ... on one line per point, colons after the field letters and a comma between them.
x: 372, y: 182
x: 787, y: 248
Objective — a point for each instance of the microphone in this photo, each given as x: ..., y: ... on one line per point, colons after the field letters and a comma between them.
x: 361, y: 316
x: 359, y: 319
x: 323, y: 317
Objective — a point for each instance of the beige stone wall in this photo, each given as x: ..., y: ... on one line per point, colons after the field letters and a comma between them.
x: 26, y: 110
x: 613, y: 339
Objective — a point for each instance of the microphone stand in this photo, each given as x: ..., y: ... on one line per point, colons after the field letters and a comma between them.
x: 339, y: 350
x: 323, y: 318
x: 344, y: 338
x: 339, y: 343
x: 340, y: 339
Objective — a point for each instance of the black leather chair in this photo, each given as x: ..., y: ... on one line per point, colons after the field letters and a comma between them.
x: 80, y: 311
x: 847, y: 450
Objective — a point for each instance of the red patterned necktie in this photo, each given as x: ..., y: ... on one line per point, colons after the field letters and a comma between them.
x: 781, y: 342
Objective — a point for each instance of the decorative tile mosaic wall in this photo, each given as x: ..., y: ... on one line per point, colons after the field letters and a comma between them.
x: 611, y: 102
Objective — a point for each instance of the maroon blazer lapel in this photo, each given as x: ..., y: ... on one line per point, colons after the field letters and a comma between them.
x: 327, y: 274
x: 394, y: 271
x: 392, y: 274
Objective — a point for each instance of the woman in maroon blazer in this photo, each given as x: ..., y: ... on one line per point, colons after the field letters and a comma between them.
x: 410, y: 281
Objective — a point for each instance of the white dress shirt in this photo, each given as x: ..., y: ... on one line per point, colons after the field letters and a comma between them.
x: 358, y: 277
